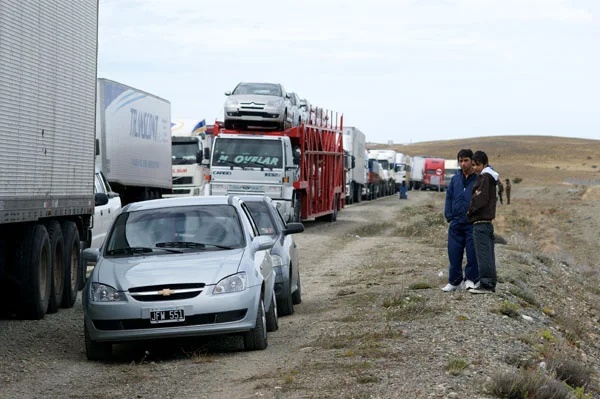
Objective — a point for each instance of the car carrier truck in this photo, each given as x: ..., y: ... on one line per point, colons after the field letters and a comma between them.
x: 134, y: 141
x: 300, y: 168
x: 47, y: 115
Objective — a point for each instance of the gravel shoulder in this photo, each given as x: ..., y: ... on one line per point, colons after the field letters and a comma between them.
x: 373, y: 321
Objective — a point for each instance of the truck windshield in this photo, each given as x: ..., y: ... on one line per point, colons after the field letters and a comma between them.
x: 184, y: 153
x: 248, y: 152
x: 400, y: 168
x: 384, y: 163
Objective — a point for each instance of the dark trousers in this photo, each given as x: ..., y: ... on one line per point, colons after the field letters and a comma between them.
x: 507, y: 197
x: 500, y: 196
x: 460, y: 238
x: 483, y: 238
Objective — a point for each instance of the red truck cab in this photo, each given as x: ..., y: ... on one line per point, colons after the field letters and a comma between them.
x: 433, y: 174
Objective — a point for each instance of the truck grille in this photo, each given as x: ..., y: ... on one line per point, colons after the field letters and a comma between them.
x: 183, y: 180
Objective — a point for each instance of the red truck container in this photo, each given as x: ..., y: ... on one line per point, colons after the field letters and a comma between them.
x: 300, y: 168
x: 433, y: 174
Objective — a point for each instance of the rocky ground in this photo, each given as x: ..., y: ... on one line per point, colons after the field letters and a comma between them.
x: 373, y: 322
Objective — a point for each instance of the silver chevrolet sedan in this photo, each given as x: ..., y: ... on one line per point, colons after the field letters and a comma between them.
x: 258, y: 105
x: 180, y: 267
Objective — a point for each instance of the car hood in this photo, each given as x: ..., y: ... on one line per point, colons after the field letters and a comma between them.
x: 246, y: 98
x: 198, y: 267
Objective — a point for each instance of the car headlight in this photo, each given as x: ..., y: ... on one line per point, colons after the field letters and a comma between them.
x: 276, y: 103
x: 231, y: 102
x: 105, y: 293
x: 277, y: 260
x: 234, y: 283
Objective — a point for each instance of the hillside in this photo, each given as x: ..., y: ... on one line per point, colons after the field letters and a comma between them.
x: 535, y: 159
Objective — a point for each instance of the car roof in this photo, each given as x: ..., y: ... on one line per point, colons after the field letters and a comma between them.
x: 181, y: 201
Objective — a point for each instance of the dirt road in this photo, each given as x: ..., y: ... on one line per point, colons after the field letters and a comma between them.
x: 373, y: 323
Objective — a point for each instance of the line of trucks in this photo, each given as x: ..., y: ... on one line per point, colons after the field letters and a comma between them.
x: 70, y: 143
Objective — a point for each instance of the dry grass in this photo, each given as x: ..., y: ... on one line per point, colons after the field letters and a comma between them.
x: 456, y: 366
x: 527, y: 383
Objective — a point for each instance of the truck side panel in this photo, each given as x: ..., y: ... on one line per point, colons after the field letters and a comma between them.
x: 47, y: 108
x: 134, y: 129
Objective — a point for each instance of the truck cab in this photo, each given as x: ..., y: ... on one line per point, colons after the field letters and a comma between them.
x: 433, y: 174
x: 255, y: 165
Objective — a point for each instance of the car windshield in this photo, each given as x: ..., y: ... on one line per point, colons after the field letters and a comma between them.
x: 261, y: 215
x: 248, y: 152
x: 189, y: 228
x: 261, y: 89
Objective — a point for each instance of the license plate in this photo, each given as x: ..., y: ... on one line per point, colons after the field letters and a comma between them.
x: 167, y: 316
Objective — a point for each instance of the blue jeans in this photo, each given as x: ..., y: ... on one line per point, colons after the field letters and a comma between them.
x: 460, y: 238
x: 483, y: 238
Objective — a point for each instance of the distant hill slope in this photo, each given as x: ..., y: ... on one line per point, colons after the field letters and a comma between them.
x: 535, y: 159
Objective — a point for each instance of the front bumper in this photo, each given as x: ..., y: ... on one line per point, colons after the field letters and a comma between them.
x: 255, y: 114
x: 205, y: 314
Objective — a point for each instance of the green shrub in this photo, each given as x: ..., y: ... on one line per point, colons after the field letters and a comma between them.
x: 517, y: 180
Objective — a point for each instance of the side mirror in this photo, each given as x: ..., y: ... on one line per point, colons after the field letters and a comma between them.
x: 287, y: 95
x: 293, y: 228
x: 97, y: 147
x: 199, y: 157
x: 262, y: 243
x: 90, y: 254
x: 228, y: 93
x: 100, y: 199
x: 207, y: 153
x: 353, y: 163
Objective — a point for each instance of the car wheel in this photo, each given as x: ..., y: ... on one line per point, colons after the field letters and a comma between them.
x: 96, y: 350
x: 285, y: 305
x: 256, y: 339
x: 297, y: 295
x: 272, y: 320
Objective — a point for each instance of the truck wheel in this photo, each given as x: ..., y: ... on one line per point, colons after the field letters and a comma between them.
x: 72, y: 263
x: 357, y: 194
x: 297, y: 216
x: 272, y: 320
x: 297, y: 295
x: 95, y: 350
x: 58, y: 270
x: 256, y: 339
x: 285, y: 305
x: 34, y: 272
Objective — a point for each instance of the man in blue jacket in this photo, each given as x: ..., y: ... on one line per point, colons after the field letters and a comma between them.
x: 460, y: 232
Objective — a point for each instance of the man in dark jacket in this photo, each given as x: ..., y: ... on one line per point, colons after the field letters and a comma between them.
x: 482, y: 211
x: 460, y: 232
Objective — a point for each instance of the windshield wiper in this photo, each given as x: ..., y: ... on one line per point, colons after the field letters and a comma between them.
x: 259, y: 165
x: 138, y: 250
x: 233, y: 164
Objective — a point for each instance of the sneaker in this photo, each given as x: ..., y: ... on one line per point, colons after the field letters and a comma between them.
x: 449, y: 287
x: 482, y: 290
x: 469, y: 285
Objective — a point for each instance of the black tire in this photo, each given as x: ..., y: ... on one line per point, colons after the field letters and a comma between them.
x: 256, y: 339
x: 95, y: 350
x: 357, y: 194
x: 332, y: 217
x: 297, y: 295
x: 272, y: 315
x: 58, y: 270
x: 72, y: 263
x: 285, y: 305
x: 297, y: 215
x: 34, y: 272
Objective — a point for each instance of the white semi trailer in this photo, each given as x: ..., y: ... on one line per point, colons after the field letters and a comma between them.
x: 47, y: 108
x: 134, y: 141
x: 356, y: 177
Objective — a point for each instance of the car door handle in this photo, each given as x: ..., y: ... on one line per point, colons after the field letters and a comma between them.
x: 101, y: 213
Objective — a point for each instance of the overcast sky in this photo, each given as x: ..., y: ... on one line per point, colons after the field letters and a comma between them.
x: 400, y: 70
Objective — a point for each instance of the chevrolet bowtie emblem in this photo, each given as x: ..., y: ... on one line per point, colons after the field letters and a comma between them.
x: 166, y: 292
